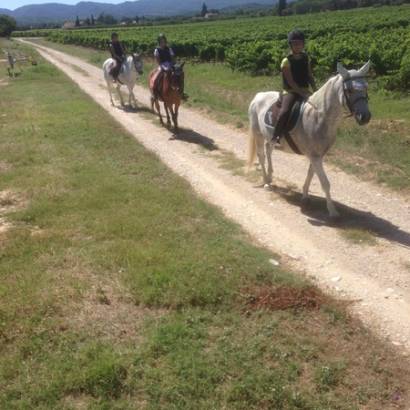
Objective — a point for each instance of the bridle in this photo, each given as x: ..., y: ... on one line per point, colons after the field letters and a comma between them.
x: 135, y: 61
x: 348, y: 87
x: 176, y: 75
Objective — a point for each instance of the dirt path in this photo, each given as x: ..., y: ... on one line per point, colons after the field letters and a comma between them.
x: 376, y: 277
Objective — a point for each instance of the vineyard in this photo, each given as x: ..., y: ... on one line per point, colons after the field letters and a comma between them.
x: 257, y: 45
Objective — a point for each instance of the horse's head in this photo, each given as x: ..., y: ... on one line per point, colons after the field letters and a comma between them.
x: 177, y: 77
x: 355, y: 95
x: 138, y: 63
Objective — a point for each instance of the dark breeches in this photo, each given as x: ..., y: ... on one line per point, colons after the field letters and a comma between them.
x: 115, y: 72
x: 288, y: 100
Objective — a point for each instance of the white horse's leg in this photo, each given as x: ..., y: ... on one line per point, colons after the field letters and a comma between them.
x: 129, y: 96
x: 268, y: 150
x: 317, y: 164
x: 308, y: 181
x: 109, y: 88
x: 132, y: 97
x: 120, y: 95
x: 260, y: 151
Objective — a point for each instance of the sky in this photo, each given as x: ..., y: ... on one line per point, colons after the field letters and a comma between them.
x: 13, y: 4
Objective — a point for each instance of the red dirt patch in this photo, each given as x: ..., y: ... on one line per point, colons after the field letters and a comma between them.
x: 283, y: 298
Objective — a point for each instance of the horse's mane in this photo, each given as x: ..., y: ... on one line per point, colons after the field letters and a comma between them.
x: 318, y: 97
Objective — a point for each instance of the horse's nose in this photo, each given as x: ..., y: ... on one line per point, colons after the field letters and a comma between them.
x: 363, y: 118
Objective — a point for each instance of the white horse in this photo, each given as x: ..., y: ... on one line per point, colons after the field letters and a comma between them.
x: 130, y: 70
x: 315, y: 131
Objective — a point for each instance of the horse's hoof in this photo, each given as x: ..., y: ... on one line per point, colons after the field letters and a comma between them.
x: 267, y: 187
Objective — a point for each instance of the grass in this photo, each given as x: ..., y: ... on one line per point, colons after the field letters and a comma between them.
x: 379, y: 152
x: 359, y: 236
x: 120, y: 289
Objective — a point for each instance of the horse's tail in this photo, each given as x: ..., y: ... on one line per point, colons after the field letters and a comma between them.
x: 253, y: 129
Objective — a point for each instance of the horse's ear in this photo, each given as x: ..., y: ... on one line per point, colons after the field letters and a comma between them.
x: 342, y: 71
x: 365, y: 69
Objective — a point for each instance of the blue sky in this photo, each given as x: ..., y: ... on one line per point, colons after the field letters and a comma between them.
x: 13, y: 4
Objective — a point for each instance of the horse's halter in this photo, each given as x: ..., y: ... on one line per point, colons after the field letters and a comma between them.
x: 349, y: 88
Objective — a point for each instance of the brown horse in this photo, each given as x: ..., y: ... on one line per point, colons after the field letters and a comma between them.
x: 170, y: 93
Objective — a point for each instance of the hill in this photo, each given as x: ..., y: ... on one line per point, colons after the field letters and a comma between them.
x: 53, y: 12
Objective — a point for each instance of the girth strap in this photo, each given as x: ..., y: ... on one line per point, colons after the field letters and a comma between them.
x: 292, y: 144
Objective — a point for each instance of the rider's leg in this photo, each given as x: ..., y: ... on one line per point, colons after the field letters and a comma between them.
x: 115, y: 72
x: 287, y: 103
x: 157, y: 81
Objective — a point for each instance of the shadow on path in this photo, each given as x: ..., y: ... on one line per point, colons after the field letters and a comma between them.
x: 316, y: 211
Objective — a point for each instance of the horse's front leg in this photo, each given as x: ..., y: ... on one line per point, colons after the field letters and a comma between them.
x: 120, y: 95
x: 109, y: 88
x: 317, y: 164
x: 260, y: 151
x: 307, y: 183
x: 167, y: 112
x: 268, y: 150
x: 154, y: 101
x: 175, y: 115
x: 131, y: 97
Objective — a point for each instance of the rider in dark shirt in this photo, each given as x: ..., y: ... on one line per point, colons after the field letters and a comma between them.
x: 165, y: 58
x: 118, y: 53
x: 297, y: 77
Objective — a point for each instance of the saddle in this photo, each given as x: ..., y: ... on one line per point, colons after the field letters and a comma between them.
x: 160, y: 83
x: 272, y: 113
x: 296, y: 111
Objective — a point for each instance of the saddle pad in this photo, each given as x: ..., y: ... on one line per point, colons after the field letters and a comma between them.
x: 295, y: 113
x: 269, y: 120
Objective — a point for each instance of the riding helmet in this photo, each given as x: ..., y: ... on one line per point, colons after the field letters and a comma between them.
x: 296, y: 35
x: 162, y: 36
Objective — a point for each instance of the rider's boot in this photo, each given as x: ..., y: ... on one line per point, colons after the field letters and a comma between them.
x: 279, y: 129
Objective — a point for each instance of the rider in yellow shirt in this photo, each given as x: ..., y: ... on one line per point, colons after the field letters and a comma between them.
x: 296, y: 77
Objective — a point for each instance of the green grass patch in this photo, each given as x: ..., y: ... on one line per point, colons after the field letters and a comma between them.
x: 358, y: 236
x: 107, y: 236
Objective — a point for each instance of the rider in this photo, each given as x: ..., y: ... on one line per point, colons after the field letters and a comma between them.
x: 118, y: 53
x: 296, y: 76
x: 165, y: 58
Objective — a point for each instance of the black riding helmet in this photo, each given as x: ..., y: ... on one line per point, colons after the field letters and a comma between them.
x: 162, y: 37
x: 296, y: 35
x: 114, y: 35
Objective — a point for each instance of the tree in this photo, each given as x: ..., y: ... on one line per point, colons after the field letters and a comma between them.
x: 281, y: 7
x: 109, y: 20
x: 77, y: 22
x: 7, y: 25
x: 204, y: 10
x: 92, y: 20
